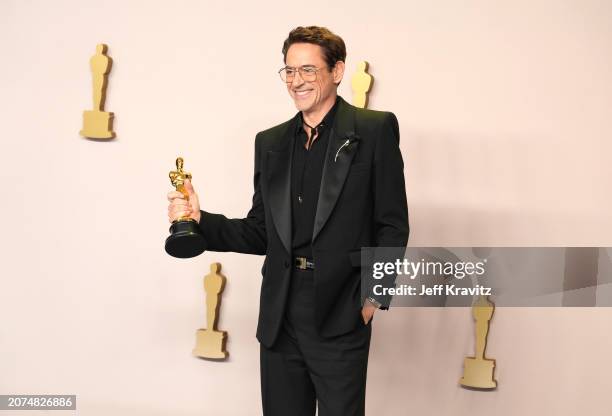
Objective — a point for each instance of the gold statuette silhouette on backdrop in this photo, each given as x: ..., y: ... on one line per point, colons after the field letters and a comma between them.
x: 98, y: 124
x: 478, y: 370
x: 361, y: 83
x: 210, y: 343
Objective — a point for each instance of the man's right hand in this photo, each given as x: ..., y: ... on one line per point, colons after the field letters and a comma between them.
x: 180, y: 207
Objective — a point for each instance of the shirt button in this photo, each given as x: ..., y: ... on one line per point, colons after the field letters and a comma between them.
x: 300, y: 199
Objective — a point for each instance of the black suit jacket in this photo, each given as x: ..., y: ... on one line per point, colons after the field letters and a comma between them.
x: 362, y: 203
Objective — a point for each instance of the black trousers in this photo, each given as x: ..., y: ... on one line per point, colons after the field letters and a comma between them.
x: 302, y: 369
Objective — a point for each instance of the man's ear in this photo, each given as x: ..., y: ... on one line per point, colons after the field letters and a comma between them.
x: 338, y: 72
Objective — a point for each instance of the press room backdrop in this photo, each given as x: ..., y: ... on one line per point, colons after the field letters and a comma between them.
x: 504, y: 111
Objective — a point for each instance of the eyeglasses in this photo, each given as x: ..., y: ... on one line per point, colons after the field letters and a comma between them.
x: 307, y: 72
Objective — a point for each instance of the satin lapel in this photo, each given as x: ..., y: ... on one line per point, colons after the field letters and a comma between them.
x: 335, y: 171
x: 279, y: 186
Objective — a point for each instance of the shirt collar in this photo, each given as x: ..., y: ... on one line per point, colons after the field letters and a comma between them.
x: 327, y: 120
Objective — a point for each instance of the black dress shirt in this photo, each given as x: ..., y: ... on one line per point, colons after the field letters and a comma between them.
x: 306, y: 173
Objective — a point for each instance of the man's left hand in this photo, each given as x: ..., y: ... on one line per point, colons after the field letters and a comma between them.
x: 367, y: 312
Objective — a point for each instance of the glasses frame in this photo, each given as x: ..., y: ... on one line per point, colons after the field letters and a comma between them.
x: 300, y: 71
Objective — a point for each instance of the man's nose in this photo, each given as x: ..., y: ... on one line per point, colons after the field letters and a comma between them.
x: 297, y: 82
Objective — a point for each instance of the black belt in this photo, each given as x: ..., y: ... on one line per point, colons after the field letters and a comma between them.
x: 303, y: 263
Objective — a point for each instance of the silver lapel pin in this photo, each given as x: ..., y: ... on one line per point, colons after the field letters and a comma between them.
x: 346, y: 143
x: 350, y: 138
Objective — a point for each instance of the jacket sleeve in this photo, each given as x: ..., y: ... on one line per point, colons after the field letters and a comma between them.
x: 391, y: 227
x: 241, y: 235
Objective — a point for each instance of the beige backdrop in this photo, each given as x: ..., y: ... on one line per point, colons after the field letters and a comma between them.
x: 504, y: 111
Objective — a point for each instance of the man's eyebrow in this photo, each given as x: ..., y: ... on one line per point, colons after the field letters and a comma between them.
x: 303, y: 66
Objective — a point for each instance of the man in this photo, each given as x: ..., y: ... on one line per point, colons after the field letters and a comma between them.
x: 327, y: 182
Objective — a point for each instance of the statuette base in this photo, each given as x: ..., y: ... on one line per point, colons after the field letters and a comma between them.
x: 97, y: 125
x: 210, y: 344
x: 185, y: 239
x: 478, y: 374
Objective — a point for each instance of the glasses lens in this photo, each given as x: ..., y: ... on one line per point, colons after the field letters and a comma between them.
x: 308, y: 74
x: 287, y: 75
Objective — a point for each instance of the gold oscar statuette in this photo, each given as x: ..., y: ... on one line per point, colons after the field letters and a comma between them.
x: 361, y: 83
x: 210, y: 343
x: 186, y: 239
x: 478, y: 370
x: 97, y: 123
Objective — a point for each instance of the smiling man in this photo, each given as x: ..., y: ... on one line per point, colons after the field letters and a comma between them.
x: 327, y: 182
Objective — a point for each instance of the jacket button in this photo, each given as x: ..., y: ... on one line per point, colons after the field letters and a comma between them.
x: 286, y: 264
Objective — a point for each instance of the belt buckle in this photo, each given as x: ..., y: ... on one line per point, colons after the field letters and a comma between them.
x: 301, y: 263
